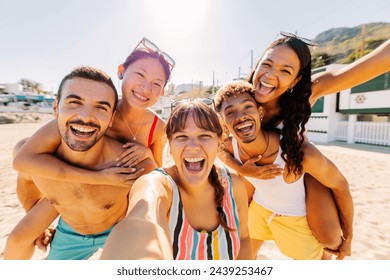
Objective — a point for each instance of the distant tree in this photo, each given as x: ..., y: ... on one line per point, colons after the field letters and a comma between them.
x: 374, y: 43
x: 321, y: 59
x: 352, y: 57
x: 369, y: 46
x: 209, y: 90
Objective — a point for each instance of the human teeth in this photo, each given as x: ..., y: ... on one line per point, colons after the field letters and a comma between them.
x: 83, y: 129
x: 197, y: 159
x: 244, y: 125
x: 266, y: 85
x: 140, y: 96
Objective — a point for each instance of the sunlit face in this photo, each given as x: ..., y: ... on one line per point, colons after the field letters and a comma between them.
x: 194, y: 151
x: 84, y: 112
x: 241, y: 116
x: 276, y: 72
x: 143, y: 82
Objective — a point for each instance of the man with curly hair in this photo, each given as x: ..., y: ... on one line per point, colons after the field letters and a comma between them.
x: 278, y: 208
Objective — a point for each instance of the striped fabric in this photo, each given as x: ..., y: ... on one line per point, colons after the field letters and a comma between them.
x: 190, y: 244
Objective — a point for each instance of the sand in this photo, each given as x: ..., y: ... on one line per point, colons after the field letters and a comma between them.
x: 367, y: 169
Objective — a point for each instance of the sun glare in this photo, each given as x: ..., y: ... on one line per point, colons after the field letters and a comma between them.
x: 178, y: 13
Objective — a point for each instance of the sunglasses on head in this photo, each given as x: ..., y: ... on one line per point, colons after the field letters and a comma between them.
x: 206, y: 100
x: 146, y: 45
x: 305, y: 40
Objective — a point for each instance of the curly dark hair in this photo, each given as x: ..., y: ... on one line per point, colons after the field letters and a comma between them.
x: 294, y: 106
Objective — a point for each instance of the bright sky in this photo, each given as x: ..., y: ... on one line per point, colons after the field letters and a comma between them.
x: 43, y: 40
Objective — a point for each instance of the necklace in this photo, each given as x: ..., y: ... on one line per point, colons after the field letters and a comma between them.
x: 139, y: 127
x: 266, y: 147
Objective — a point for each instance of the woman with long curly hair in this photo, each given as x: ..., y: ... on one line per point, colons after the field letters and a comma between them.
x: 286, y: 90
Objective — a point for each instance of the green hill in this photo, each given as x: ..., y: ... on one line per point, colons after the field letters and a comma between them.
x: 345, y: 45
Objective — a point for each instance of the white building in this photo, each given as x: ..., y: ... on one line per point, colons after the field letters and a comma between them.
x: 357, y: 115
x: 179, y: 89
x: 14, y: 88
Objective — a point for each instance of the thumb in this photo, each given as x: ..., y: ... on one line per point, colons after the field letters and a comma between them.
x: 254, y: 159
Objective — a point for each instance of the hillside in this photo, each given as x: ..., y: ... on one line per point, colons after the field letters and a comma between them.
x: 344, y: 45
x: 196, y: 93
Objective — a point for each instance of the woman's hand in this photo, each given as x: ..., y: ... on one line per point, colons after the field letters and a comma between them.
x: 251, y: 169
x: 134, y: 153
x: 118, y: 176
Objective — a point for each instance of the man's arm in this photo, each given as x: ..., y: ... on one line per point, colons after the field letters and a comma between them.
x: 326, y: 172
x: 362, y: 70
x: 21, y: 241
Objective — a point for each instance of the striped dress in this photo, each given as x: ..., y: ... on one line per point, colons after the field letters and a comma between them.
x: 190, y: 244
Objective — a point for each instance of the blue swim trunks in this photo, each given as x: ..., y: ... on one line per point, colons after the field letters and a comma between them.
x: 67, y: 244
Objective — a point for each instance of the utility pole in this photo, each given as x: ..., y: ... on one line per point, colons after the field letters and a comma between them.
x: 213, y: 82
x: 362, y: 43
x: 239, y: 72
x: 251, y: 61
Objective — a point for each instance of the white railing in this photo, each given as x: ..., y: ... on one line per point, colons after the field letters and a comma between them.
x: 342, y: 131
x: 377, y: 133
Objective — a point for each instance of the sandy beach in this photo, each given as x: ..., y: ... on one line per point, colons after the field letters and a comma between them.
x: 367, y: 169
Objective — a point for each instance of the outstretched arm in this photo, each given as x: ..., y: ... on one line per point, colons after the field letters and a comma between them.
x: 325, y: 171
x: 144, y: 233
x: 20, y: 243
x: 36, y: 157
x: 364, y: 69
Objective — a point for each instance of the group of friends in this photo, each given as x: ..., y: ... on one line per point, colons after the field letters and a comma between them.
x: 243, y: 170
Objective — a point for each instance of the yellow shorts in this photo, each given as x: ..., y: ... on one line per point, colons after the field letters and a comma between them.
x: 292, y: 235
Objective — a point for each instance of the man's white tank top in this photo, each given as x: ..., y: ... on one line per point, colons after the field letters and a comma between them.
x: 275, y: 194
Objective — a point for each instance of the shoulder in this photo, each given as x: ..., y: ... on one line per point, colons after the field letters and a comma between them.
x: 238, y: 189
x: 112, y: 144
x: 48, y: 130
x: 236, y: 180
x: 159, y: 126
x: 154, y: 181
x: 227, y: 144
x: 152, y: 115
x: 309, y: 149
x: 151, y: 190
x: 312, y: 155
x: 154, y: 176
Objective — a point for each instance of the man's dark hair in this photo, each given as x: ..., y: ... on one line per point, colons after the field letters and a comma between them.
x: 90, y: 73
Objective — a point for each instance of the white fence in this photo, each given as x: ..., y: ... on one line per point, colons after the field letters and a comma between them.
x: 377, y: 133
x: 342, y: 131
